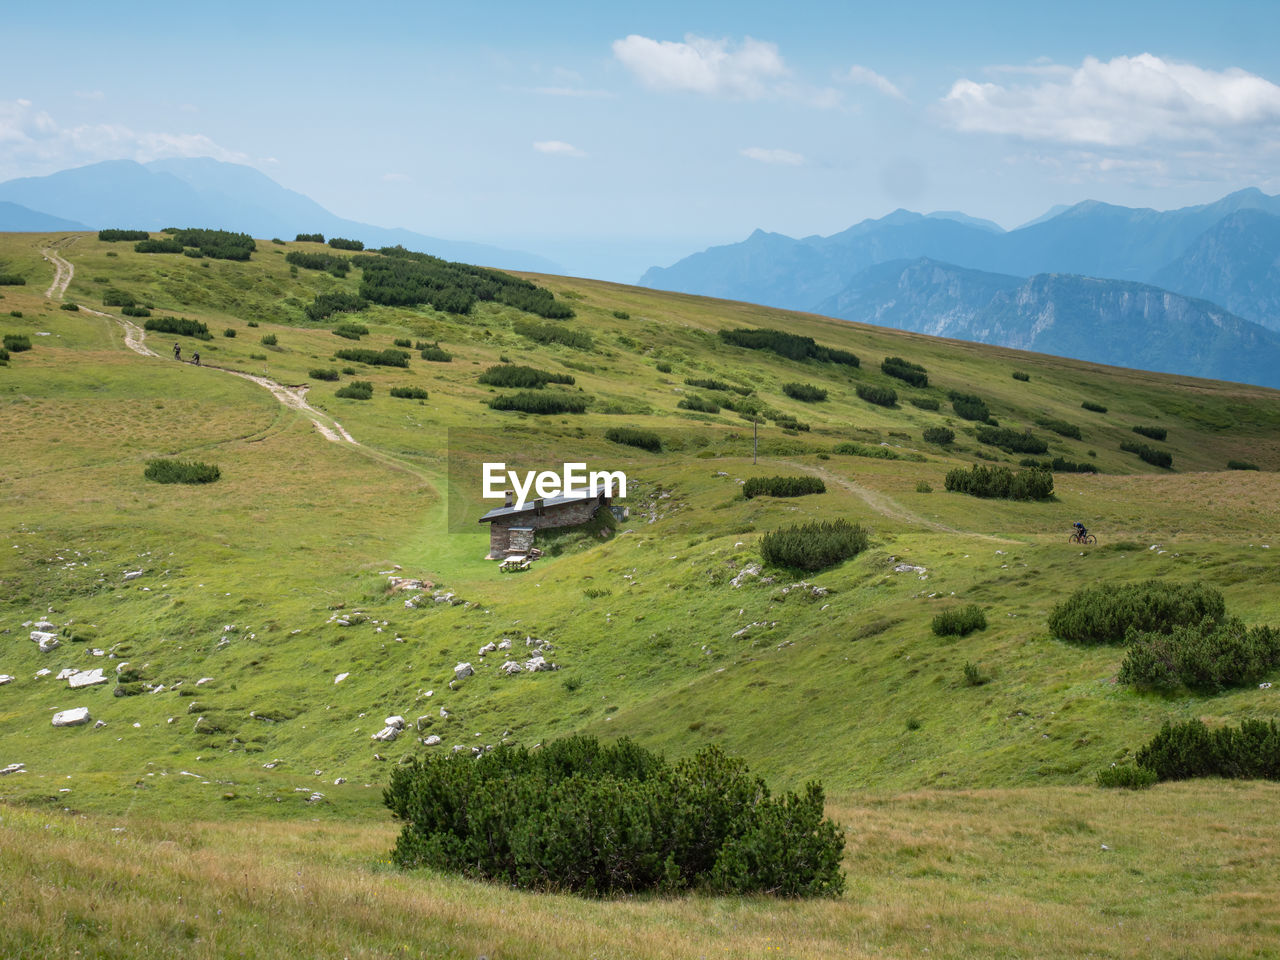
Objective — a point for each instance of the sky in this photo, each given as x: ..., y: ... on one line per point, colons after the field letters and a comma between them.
x: 613, y: 137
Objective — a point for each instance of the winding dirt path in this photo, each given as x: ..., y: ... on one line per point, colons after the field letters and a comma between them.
x: 63, y: 271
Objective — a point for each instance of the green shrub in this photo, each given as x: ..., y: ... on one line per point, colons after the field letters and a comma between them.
x: 375, y: 358
x: 163, y: 245
x: 435, y: 354
x: 790, y: 423
x: 252, y: 323
x: 111, y: 236
x: 229, y: 332
x: 1159, y: 458
x: 851, y: 449
x: 973, y: 675
x: 939, y: 435
x: 1152, y: 433
x: 1095, y: 407
x: 713, y: 384
x: 1211, y: 655
x: 269, y: 340
x: 70, y: 307
x: 622, y: 315
x: 341, y: 243
x: 1012, y: 441
x: 542, y: 402
x: 969, y: 406
x: 1105, y: 613
x: 278, y: 242
x: 782, y: 487
x: 327, y: 304
x: 12, y: 280
x: 787, y: 345
x: 1060, y: 427
x: 356, y: 390
x: 1126, y: 777
x: 522, y: 378
x: 309, y: 238
x: 16, y: 313
x: 813, y: 546
x: 599, y: 819
x: 17, y: 342
x: 699, y: 404
x: 323, y: 373
x: 350, y: 331
x: 959, y: 621
x: 181, y: 471
x: 4, y: 355
x: 1001, y: 483
x: 135, y: 311
x: 553, y: 333
x: 218, y: 244
x: 1021, y: 375
x: 880, y: 396
x: 1182, y: 751
x: 409, y: 393
x: 924, y: 403
x: 118, y: 298
x: 179, y: 325
x: 923, y: 486
x: 338, y: 266
x: 1241, y: 465
x: 806, y: 392
x: 631, y: 437
x: 663, y: 366
x: 905, y: 371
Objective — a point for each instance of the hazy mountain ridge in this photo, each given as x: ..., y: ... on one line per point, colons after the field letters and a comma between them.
x: 209, y: 193
x: 15, y: 218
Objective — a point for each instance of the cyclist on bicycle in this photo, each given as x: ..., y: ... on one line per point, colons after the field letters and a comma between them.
x: 1081, y: 532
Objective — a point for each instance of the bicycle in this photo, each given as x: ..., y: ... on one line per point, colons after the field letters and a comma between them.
x: 1088, y: 539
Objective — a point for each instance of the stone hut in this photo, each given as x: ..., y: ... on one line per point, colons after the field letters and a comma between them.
x: 511, y: 530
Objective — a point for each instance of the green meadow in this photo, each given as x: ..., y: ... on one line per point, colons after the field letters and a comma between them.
x: 231, y: 801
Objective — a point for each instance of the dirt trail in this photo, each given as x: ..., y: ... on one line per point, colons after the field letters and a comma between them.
x: 62, y: 269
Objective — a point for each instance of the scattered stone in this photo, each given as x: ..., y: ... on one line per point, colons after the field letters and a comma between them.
x: 133, y: 574
x: 462, y: 670
x: 396, y: 721
x: 1264, y: 686
x: 340, y: 781
x: 86, y: 678
x: 510, y: 667
x: 537, y: 664
x: 340, y: 677
x: 12, y: 768
x: 99, y: 724
x: 43, y: 672
x: 488, y: 648
x: 45, y: 625
x: 430, y: 741
x: 71, y: 718
x: 273, y: 764
x: 504, y: 644
x: 386, y: 734
x: 751, y: 570
x: 5, y: 678
x: 65, y: 673
x: 396, y: 584
x: 315, y: 798
x: 97, y: 652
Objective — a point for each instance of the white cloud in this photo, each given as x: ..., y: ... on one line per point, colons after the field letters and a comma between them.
x: 1124, y: 102
x: 749, y: 71
x: 35, y: 143
x: 775, y: 156
x: 869, y: 78
x: 557, y: 148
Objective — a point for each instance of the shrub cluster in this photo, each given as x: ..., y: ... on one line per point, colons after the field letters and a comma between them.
x: 851, y: 449
x: 338, y: 266
x: 1095, y: 407
x: 16, y: 342
x: 409, y: 393
x: 375, y: 358
x: 323, y: 373
x: 118, y: 298
x: 1211, y: 655
x: 790, y: 423
x: 1241, y: 465
x: 905, y: 371
x: 342, y: 243
x: 969, y: 406
x: 1061, y: 465
x: 1182, y: 751
x: 339, y: 301
x: 1001, y: 483
x: 217, y: 244
x: 939, y: 435
x: 788, y: 345
x: 4, y: 355
x: 1159, y: 458
x: 179, y: 325
x: 600, y: 819
x: 880, y: 396
x: 631, y: 437
x: 350, y: 331
x: 435, y: 354
x: 924, y: 403
x: 1060, y: 427
x: 12, y: 280
x: 269, y: 340
x: 111, y: 236
x: 553, y: 333
x: 1126, y: 776
x: 1021, y: 375
x: 1105, y: 613
x: 959, y: 621
x: 523, y: 378
x: 1011, y: 441
x: 163, y: 245
x: 544, y: 402
x: 699, y: 404
x: 782, y: 487
x: 1152, y: 433
x: 356, y: 390
x: 135, y: 311
x: 181, y: 471
x: 309, y: 238
x: 806, y: 392
x: 813, y: 546
x: 712, y: 384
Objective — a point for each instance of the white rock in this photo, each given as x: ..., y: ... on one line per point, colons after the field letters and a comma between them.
x: 133, y: 574
x: 504, y: 644
x: 386, y: 734
x: 45, y: 625
x: 68, y: 672
x: 340, y: 677
x: 339, y: 781
x: 48, y: 643
x: 510, y: 667
x: 12, y: 768
x: 86, y: 678
x: 462, y: 670
x: 487, y: 648
x: 98, y: 652
x: 203, y: 680
x: 396, y: 721
x: 430, y: 741
x: 71, y: 718
x: 43, y: 672
x: 99, y: 724
x: 39, y: 636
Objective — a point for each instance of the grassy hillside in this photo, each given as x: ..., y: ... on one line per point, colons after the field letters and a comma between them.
x: 235, y: 612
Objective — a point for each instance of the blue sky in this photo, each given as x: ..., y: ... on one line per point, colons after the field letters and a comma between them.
x: 613, y: 137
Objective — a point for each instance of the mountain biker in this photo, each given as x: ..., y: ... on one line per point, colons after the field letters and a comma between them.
x: 177, y: 351
x: 195, y: 358
x: 1081, y: 532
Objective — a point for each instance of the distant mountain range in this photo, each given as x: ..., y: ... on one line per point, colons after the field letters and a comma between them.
x: 209, y: 193
x: 1182, y: 291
